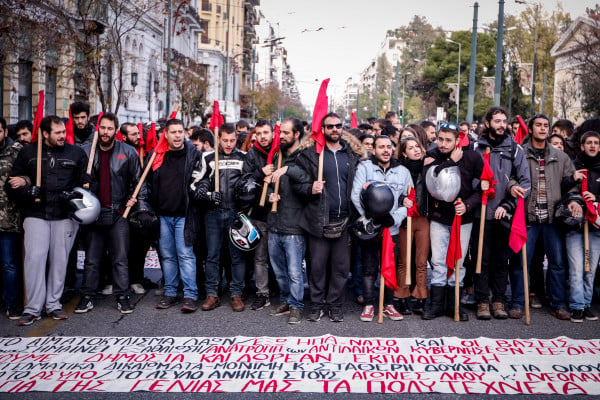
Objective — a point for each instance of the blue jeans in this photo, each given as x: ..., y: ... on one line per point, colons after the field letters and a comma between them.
x: 176, y: 258
x: 286, y: 253
x: 9, y: 260
x: 216, y: 224
x: 440, y: 237
x: 553, y: 245
x: 582, y: 283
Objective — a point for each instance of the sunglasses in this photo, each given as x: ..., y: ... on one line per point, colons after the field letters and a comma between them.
x: 331, y: 126
x: 451, y: 127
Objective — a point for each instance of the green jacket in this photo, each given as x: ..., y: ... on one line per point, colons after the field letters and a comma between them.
x: 10, y: 218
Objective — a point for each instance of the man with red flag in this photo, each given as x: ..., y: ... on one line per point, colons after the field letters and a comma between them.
x: 381, y: 167
x: 258, y: 164
x: 452, y: 172
x: 328, y: 210
x: 510, y: 172
x: 550, y: 169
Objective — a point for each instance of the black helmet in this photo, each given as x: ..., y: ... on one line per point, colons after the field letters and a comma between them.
x: 365, y: 229
x: 85, y: 208
x: 243, y: 234
x: 377, y: 199
x: 247, y: 192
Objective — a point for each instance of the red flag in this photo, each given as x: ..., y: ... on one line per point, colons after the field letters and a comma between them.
x: 518, y: 229
x: 412, y: 195
x: 487, y: 175
x: 463, y: 139
x: 140, y: 127
x: 119, y: 136
x: 69, y: 126
x: 216, y: 119
x: 353, y: 122
x: 388, y: 263
x: 454, y: 251
x: 174, y: 113
x: 319, y: 112
x: 274, y: 145
x: 522, y: 131
x: 39, y: 114
x: 161, y: 147
x: 151, y: 138
x: 591, y: 212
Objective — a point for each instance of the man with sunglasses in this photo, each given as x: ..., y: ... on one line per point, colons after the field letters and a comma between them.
x: 327, y: 214
x: 449, y: 154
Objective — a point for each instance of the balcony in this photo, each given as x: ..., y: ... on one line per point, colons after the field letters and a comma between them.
x: 93, y: 15
x: 194, y: 20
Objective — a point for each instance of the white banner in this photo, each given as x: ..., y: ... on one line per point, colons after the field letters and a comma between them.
x: 326, y: 364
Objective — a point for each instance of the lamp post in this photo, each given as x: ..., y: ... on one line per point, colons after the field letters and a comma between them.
x: 499, y: 54
x: 535, y: 40
x: 458, y: 85
x: 403, y: 92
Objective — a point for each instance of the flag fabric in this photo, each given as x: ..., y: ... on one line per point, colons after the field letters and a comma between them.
x: 162, y: 146
x: 39, y: 114
x: 140, y: 127
x: 274, y: 145
x: 521, y: 131
x: 591, y: 212
x: 174, y: 113
x: 518, y: 229
x: 463, y: 139
x: 119, y: 136
x: 454, y: 251
x: 69, y: 127
x: 151, y: 138
x: 320, y: 111
x: 412, y: 195
x: 216, y: 119
x: 487, y: 175
x: 353, y: 122
x: 388, y: 263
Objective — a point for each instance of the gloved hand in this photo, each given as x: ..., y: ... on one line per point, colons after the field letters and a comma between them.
x: 146, y: 219
x: 86, y: 178
x: 216, y: 197
x: 68, y: 195
x: 33, y: 192
x: 386, y: 220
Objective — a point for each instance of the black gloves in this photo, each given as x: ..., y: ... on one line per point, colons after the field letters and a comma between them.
x: 86, y: 178
x: 68, y: 195
x: 146, y: 220
x: 33, y: 192
x: 215, y: 197
x: 386, y: 220
x: 202, y: 193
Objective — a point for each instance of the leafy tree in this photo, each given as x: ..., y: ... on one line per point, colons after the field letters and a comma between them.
x: 589, y: 70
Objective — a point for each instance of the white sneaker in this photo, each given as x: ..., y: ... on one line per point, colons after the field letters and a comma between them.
x: 107, y: 291
x: 137, y: 288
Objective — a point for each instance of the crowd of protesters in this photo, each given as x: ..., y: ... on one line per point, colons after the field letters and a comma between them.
x: 265, y: 211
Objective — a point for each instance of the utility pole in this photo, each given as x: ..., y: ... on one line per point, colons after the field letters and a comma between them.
x: 376, y: 95
x: 168, y: 100
x: 471, y: 97
x: 396, y: 89
x: 499, y: 46
x: 534, y: 68
x: 226, y: 69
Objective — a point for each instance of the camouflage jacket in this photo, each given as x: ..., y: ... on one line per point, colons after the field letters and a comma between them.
x: 10, y: 218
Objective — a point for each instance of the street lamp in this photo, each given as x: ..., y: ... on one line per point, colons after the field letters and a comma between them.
x: 403, y: 91
x: 458, y: 85
x: 535, y: 40
x: 134, y: 79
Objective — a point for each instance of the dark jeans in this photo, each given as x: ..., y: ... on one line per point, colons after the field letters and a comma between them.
x: 494, y: 262
x: 329, y: 258
x: 371, y: 259
x: 138, y: 248
x: 11, y: 268
x: 114, y: 238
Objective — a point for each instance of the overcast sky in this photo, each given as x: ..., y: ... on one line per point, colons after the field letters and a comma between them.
x: 353, y: 30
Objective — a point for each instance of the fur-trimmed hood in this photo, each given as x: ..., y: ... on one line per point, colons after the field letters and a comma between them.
x: 346, y: 136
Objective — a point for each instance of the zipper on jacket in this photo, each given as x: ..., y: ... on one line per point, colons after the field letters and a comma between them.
x: 337, y: 169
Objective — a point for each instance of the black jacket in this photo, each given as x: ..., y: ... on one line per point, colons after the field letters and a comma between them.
x: 85, y: 135
x: 470, y: 167
x: 285, y: 220
x: 254, y: 162
x: 418, y: 178
x: 63, y: 169
x: 192, y: 210
x: 230, y: 175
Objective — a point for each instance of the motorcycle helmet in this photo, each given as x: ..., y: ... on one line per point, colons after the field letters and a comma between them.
x: 84, y: 210
x: 445, y: 186
x: 365, y: 229
x: 243, y: 234
x: 377, y: 199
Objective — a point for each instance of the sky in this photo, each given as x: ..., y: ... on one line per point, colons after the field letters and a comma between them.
x: 337, y: 39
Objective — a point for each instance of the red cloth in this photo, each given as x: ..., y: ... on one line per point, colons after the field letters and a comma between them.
x: 487, y: 175
x: 320, y: 111
x: 274, y: 145
x: 69, y: 126
x: 151, y: 138
x: 388, y: 263
x: 412, y: 195
x: 522, y: 131
x: 591, y: 213
x: 454, y: 251
x: 353, y: 122
x: 119, y: 136
x: 140, y: 127
x: 39, y: 114
x: 163, y: 146
x: 216, y: 119
x: 518, y: 229
x: 463, y: 139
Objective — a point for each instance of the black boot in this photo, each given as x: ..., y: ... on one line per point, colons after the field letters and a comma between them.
x: 403, y: 306
x: 463, y: 316
x: 435, y: 306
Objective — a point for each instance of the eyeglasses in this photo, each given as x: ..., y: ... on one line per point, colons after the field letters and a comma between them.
x: 451, y: 127
x: 331, y: 126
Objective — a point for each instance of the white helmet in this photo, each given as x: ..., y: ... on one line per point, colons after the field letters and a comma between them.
x: 446, y: 185
x: 243, y: 234
x: 86, y: 209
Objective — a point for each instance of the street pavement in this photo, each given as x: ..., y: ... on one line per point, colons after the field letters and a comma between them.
x: 104, y: 320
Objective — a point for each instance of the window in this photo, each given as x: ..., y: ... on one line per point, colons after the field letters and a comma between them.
x: 50, y: 92
x: 25, y: 68
x: 218, y: 9
x: 204, y: 37
x: 206, y: 6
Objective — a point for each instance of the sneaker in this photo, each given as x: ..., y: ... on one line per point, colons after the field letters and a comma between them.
x: 284, y: 308
x: 237, y: 304
x: 58, y: 315
x: 107, y: 291
x: 28, y: 319
x: 166, y: 302
x: 498, y: 310
x: 367, y: 314
x: 86, y: 303
x: 136, y: 288
x: 516, y: 313
x: 123, y: 305
x: 260, y: 302
x: 589, y: 315
x: 468, y: 299
x: 576, y: 316
x: 336, y: 315
x: 189, y: 305
x: 390, y: 312
x: 483, y: 312
x: 535, y: 302
x: 14, y: 312
x: 295, y: 316
x: 211, y: 303
x: 561, y: 313
x: 315, y: 314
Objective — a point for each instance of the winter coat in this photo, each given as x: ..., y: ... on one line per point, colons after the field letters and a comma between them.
x: 10, y: 218
x: 254, y: 162
x: 285, y: 220
x: 230, y: 176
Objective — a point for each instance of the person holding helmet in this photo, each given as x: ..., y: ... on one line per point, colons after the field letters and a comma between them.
x: 378, y: 185
x: 452, y: 179
x: 49, y: 232
x: 115, y: 172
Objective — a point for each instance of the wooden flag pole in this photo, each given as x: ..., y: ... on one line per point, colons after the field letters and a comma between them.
x: 381, y: 294
x: 481, y: 229
x: 217, y: 178
x: 138, y: 187
x: 38, y: 172
x: 320, y: 169
x: 141, y: 153
x: 586, y: 245
x: 407, y: 278
x: 276, y: 189
x: 526, y: 284
x: 457, y: 285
